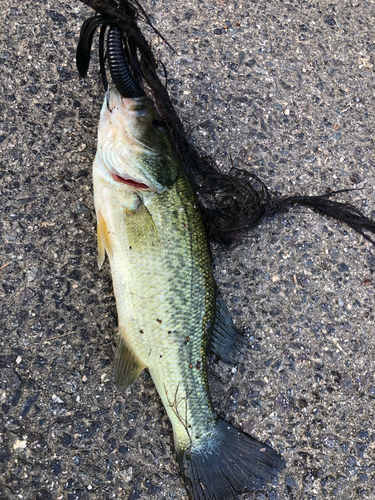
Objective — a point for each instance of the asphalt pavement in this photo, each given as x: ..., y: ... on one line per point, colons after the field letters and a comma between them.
x: 282, y: 88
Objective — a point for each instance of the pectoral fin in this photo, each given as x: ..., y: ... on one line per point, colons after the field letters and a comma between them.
x: 127, y: 366
x: 104, y: 243
x: 226, y: 339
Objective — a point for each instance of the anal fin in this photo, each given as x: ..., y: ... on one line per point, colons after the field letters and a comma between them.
x: 226, y: 339
x: 127, y: 366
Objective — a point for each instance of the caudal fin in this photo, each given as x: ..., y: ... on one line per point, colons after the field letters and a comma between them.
x: 227, y: 464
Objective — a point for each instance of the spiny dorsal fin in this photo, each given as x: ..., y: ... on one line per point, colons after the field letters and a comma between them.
x: 127, y: 366
x: 226, y: 339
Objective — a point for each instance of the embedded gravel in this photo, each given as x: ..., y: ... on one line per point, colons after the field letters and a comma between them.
x: 282, y: 88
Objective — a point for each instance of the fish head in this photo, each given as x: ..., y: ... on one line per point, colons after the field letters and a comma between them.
x: 134, y: 145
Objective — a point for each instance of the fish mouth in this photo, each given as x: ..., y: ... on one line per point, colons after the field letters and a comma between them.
x: 134, y: 106
x: 134, y: 184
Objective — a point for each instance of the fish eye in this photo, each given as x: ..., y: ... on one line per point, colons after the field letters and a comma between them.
x: 159, y: 125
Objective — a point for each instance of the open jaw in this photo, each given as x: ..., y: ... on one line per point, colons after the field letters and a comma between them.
x: 130, y: 182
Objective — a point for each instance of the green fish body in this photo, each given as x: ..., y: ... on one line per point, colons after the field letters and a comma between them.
x: 169, y: 312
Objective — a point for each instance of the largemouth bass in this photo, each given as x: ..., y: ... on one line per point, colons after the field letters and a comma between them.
x: 169, y: 311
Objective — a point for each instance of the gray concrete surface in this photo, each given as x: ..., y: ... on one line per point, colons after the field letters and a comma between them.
x: 287, y: 86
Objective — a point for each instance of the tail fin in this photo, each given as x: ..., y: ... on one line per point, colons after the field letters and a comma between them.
x: 228, y: 463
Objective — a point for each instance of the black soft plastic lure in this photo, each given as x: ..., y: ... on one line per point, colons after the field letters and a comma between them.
x: 117, y: 61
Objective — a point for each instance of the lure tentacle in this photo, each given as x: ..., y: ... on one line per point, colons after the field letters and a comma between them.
x: 86, y: 36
